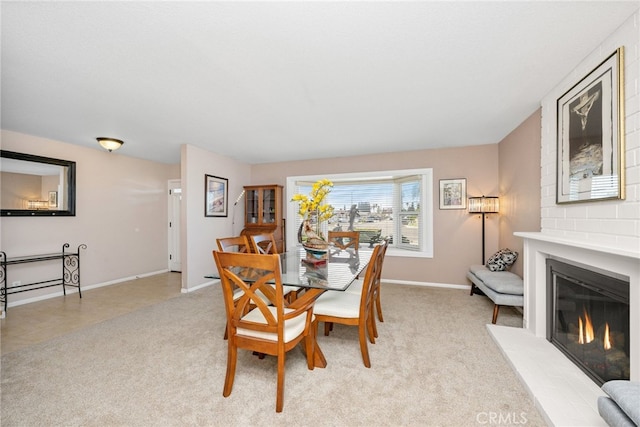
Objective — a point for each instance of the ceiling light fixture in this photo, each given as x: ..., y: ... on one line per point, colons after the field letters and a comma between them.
x: 110, y: 143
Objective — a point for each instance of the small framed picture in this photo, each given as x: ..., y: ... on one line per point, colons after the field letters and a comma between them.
x: 53, y: 199
x: 453, y: 193
x: 215, y: 196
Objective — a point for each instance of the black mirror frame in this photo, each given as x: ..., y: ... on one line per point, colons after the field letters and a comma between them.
x: 71, y: 186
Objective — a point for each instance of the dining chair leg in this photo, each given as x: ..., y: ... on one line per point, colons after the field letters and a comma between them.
x: 328, y: 326
x: 371, y: 329
x: 310, y: 344
x: 280, y: 386
x: 232, y: 354
x: 379, y: 307
x: 373, y: 322
x: 363, y: 344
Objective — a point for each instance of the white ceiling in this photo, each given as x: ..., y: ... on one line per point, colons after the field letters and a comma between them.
x: 271, y: 81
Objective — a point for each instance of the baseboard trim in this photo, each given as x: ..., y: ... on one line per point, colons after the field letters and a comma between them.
x: 200, y: 286
x: 427, y: 284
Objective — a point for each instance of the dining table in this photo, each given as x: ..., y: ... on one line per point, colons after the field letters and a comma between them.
x: 316, y: 273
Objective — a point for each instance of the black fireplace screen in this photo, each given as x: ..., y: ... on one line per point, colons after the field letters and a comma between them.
x: 588, y: 320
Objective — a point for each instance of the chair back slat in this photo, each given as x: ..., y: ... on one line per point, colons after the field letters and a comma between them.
x: 345, y: 239
x: 234, y: 244
x: 263, y: 244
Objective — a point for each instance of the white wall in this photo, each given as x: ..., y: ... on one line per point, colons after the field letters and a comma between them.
x: 121, y: 215
x: 614, y: 223
x: 199, y: 233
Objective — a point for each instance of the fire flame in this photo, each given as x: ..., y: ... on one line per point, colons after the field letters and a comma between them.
x: 586, y: 334
x: 586, y: 330
x: 607, y: 341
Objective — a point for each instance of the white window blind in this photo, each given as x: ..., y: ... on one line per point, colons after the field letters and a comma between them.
x: 378, y: 205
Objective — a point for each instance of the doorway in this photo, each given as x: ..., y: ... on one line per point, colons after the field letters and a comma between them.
x: 175, y: 200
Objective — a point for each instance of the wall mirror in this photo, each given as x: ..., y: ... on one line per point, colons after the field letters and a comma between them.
x: 36, y: 186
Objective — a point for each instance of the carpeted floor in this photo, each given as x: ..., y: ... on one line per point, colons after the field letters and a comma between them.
x: 434, y: 364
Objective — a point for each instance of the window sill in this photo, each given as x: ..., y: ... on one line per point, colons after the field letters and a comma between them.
x: 395, y: 252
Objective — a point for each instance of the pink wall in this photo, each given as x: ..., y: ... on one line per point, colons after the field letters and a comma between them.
x: 199, y: 233
x: 457, y: 235
x: 121, y: 215
x: 519, y: 167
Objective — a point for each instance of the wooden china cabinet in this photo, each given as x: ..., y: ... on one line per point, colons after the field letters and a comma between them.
x: 263, y: 212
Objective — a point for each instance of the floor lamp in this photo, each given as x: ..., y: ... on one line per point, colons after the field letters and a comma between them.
x: 484, y: 205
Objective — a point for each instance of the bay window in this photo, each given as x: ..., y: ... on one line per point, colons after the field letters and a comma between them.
x: 396, y: 205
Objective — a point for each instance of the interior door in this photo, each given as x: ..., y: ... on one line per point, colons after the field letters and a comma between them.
x: 175, y: 199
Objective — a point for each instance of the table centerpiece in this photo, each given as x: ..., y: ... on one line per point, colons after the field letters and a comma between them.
x: 314, y: 212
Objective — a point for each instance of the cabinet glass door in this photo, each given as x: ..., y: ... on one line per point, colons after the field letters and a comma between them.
x: 269, y: 206
x: 252, y: 207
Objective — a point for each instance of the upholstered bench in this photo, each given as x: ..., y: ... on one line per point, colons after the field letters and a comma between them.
x: 621, y: 406
x: 502, y: 287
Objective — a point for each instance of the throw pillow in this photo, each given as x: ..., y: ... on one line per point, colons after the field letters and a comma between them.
x: 502, y: 260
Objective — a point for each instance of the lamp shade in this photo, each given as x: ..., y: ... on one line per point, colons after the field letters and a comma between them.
x: 484, y: 204
x: 110, y: 143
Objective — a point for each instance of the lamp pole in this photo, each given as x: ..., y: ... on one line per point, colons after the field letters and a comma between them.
x: 484, y: 205
x: 482, y: 215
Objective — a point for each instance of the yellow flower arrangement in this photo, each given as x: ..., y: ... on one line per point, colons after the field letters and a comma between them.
x: 312, y: 207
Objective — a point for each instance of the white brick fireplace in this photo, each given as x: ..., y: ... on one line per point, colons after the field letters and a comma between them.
x: 562, y: 392
x: 599, y: 235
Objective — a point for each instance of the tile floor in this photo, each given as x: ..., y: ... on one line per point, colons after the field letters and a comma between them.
x: 39, y: 321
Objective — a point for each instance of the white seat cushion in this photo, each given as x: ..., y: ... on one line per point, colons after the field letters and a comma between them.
x: 338, y: 304
x: 292, y: 327
x: 355, y: 287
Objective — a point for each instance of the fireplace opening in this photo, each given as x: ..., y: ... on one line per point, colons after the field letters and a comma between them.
x: 588, y: 320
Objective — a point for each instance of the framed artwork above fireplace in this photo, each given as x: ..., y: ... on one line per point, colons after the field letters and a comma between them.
x: 590, y: 132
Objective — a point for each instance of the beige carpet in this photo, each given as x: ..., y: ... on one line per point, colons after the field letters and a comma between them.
x: 434, y: 364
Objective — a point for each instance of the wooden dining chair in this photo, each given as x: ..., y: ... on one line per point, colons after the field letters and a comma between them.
x: 263, y: 244
x: 352, y: 309
x: 266, y: 244
x: 238, y: 244
x: 256, y: 326
x: 356, y: 287
x: 234, y: 244
x: 344, y: 239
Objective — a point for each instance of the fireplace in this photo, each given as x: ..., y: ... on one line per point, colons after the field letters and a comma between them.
x: 563, y: 392
x: 588, y: 319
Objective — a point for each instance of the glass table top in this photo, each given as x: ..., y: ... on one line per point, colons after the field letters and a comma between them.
x: 336, y: 273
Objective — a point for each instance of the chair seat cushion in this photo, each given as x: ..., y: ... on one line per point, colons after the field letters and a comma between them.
x: 338, y: 304
x: 292, y: 327
x: 355, y: 287
x: 626, y: 394
x: 503, y: 282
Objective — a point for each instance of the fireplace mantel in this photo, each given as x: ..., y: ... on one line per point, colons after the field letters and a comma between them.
x: 582, y: 244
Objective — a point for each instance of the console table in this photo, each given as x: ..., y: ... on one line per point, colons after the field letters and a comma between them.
x: 70, y: 272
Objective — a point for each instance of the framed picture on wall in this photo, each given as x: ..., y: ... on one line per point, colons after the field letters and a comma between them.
x: 590, y: 132
x: 215, y: 196
x: 453, y: 193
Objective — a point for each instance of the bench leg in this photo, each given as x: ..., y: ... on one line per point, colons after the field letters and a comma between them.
x: 495, y: 313
x: 473, y: 286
